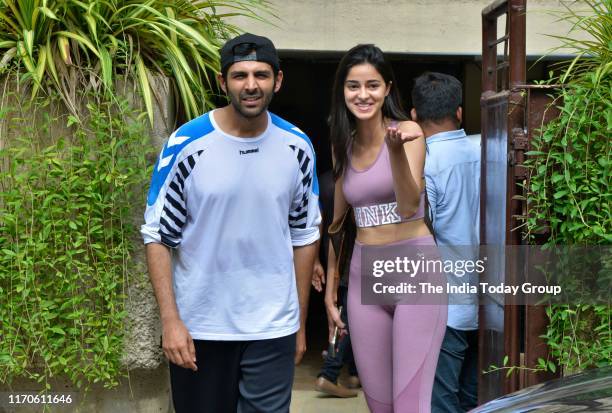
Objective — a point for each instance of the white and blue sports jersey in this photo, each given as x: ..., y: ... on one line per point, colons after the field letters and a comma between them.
x: 232, y: 209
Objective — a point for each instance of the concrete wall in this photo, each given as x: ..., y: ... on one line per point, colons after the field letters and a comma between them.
x: 146, y: 390
x: 447, y: 27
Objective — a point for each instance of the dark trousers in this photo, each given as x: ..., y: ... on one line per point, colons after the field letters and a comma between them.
x: 344, y: 355
x: 456, y: 384
x: 236, y: 376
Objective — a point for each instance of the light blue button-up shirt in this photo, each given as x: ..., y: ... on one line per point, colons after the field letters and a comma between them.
x: 452, y: 177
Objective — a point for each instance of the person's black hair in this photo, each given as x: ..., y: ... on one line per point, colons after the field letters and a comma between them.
x: 341, y: 121
x: 436, y: 97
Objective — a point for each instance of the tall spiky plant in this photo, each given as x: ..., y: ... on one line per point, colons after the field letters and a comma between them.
x: 71, y: 45
x: 589, y: 39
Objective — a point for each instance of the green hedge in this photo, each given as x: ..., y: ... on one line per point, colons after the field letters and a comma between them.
x: 66, y: 234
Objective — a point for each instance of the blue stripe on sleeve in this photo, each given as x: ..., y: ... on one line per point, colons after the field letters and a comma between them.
x: 186, y: 134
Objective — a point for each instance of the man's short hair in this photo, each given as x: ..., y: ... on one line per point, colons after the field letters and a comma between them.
x: 436, y: 97
x: 248, y: 47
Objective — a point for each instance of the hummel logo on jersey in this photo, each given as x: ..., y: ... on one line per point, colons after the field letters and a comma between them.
x: 248, y: 151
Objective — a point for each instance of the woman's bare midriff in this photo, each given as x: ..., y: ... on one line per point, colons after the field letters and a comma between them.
x: 385, y: 234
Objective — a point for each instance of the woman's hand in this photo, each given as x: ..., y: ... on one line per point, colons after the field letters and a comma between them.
x: 333, y: 319
x: 396, y: 138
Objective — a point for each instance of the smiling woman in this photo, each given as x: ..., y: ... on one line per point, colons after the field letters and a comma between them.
x: 365, y: 91
x: 379, y: 160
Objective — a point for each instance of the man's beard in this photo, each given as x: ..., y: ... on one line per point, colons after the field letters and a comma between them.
x: 236, y: 102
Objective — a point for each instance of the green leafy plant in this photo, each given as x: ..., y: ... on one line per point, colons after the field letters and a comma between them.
x: 569, y: 179
x: 542, y: 365
x: 76, y: 45
x: 66, y: 234
x: 74, y: 165
x: 570, y: 164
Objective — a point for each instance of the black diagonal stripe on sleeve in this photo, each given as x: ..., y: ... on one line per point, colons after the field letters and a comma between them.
x: 299, y: 217
x: 298, y: 211
x: 300, y: 155
x: 191, y: 161
x: 176, y: 204
x: 174, y: 212
x: 176, y: 189
x: 184, y: 170
x: 304, y: 167
x: 178, y: 223
x: 168, y: 242
x: 180, y: 181
x: 166, y: 227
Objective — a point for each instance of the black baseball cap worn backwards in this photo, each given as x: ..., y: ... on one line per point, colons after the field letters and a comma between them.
x: 247, y: 47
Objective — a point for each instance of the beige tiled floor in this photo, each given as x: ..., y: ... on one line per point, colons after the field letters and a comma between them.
x: 306, y: 400
x: 310, y: 401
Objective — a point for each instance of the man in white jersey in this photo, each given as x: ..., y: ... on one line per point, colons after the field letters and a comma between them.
x: 230, y: 229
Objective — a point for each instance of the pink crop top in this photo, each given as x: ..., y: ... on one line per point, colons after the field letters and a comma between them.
x: 370, y: 192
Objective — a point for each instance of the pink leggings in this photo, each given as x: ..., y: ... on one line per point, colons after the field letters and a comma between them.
x: 396, y: 347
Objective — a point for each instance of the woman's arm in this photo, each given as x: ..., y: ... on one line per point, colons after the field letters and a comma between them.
x: 406, y: 146
x: 331, y: 288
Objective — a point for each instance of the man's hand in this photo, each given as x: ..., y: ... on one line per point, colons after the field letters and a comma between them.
x: 318, y: 275
x: 303, y: 259
x: 300, y: 345
x: 176, y: 340
x: 178, y: 344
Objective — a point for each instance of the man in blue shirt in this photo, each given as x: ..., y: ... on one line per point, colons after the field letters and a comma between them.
x: 452, y: 177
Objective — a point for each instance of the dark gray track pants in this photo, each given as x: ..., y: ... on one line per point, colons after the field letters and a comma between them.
x: 236, y: 376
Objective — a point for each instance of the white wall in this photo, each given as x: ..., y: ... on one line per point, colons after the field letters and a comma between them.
x: 448, y: 27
